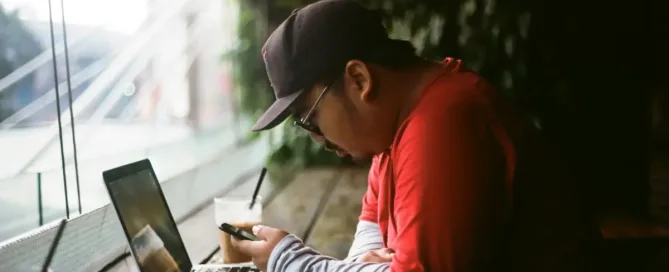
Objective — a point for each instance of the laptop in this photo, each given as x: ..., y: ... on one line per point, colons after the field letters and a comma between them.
x: 149, y: 227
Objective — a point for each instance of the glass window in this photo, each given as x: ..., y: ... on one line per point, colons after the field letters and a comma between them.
x: 102, y: 83
x: 33, y: 94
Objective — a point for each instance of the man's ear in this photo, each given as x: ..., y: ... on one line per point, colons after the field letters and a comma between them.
x: 359, y: 80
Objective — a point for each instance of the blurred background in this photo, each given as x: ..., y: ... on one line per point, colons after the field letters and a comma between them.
x: 87, y: 85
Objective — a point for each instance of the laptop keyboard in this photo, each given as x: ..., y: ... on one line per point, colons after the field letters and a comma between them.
x: 229, y: 269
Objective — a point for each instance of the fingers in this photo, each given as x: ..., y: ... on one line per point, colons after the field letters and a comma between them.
x: 373, y: 258
x: 386, y: 253
x: 377, y: 256
x: 368, y: 257
x: 246, y: 247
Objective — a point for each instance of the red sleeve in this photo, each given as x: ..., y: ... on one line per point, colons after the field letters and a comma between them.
x: 449, y: 187
x: 370, y: 199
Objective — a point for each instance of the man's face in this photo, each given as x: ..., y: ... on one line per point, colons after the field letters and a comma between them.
x: 348, y: 116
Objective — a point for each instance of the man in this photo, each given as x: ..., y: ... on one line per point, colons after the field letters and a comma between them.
x: 459, y: 181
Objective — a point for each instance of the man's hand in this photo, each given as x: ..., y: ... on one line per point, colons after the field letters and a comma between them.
x: 260, y: 250
x: 383, y: 255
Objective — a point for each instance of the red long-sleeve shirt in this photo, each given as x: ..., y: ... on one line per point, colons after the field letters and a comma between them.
x: 442, y: 195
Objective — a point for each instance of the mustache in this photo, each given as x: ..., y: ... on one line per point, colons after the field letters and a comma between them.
x: 329, y: 146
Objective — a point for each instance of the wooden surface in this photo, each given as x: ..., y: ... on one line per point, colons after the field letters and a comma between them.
x: 333, y: 232
x: 294, y: 208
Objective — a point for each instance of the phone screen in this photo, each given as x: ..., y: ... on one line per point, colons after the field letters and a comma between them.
x: 237, y: 232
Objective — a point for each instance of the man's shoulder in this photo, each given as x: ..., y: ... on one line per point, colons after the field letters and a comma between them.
x: 452, y: 95
x: 455, y: 103
x: 455, y: 85
x: 455, y: 89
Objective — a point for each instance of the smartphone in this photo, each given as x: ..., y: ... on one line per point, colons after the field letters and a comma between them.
x: 237, y: 232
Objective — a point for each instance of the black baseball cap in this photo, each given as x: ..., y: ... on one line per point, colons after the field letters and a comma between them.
x: 317, y: 41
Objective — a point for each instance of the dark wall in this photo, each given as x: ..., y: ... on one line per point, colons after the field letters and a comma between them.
x: 604, y: 56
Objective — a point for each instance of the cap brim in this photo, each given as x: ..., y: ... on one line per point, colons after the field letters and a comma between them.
x: 276, y: 113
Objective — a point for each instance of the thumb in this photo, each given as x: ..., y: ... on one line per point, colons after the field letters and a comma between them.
x: 267, y: 233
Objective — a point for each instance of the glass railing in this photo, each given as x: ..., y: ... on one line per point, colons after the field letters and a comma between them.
x: 118, y: 82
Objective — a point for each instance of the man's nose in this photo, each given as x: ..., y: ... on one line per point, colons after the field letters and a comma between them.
x: 317, y: 138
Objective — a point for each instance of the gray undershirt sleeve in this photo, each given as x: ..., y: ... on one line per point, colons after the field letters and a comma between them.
x: 367, y: 237
x: 290, y: 254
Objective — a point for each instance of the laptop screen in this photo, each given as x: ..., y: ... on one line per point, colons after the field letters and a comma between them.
x: 154, y: 238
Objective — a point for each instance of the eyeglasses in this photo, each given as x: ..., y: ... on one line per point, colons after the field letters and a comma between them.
x: 305, y: 123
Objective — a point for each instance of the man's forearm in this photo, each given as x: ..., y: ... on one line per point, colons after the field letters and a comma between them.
x: 367, y: 237
x: 292, y: 255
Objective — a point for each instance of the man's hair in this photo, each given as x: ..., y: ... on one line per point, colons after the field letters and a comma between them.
x: 401, y: 55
